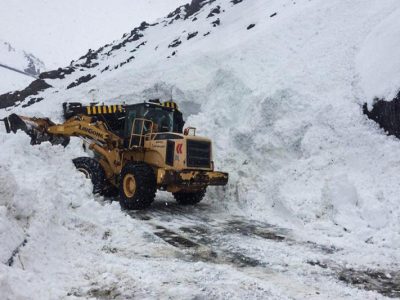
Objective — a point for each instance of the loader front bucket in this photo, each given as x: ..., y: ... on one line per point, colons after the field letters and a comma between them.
x: 36, y: 128
x: 14, y: 123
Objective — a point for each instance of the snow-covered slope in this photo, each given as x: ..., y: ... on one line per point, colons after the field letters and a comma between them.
x: 11, y: 81
x: 278, y: 86
x: 20, y: 60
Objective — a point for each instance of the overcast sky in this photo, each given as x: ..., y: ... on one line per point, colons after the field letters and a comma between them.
x: 58, y: 31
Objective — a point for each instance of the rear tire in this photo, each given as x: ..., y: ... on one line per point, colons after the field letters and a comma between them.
x: 92, y: 169
x: 138, y: 186
x: 185, y: 198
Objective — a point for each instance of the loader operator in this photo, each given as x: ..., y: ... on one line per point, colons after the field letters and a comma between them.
x: 161, y: 118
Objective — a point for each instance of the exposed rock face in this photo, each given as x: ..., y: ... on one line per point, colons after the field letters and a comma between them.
x: 386, y: 114
x: 81, y: 80
x: 57, y: 74
x: 14, y: 98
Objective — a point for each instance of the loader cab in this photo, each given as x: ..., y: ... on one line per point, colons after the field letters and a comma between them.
x: 165, y: 119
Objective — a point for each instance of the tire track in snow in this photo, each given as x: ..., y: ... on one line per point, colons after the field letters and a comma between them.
x: 201, y: 237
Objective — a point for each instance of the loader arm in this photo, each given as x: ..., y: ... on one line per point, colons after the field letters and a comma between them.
x: 102, y: 141
x: 43, y: 129
x: 82, y: 126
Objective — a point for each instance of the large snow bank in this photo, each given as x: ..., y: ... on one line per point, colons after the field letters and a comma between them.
x: 62, y: 242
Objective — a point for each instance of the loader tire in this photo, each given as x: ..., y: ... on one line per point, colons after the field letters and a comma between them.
x: 185, y: 198
x: 137, y: 186
x: 110, y: 191
x: 92, y: 170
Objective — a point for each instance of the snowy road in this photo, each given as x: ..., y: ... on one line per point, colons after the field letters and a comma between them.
x: 260, y: 251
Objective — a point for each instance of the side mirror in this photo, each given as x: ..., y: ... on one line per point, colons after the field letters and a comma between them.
x: 190, y: 131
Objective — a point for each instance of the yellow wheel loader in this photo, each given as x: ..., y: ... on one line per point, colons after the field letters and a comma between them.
x: 137, y: 149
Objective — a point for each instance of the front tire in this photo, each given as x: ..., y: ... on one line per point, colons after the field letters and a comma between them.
x: 92, y: 170
x: 185, y: 198
x: 137, y: 186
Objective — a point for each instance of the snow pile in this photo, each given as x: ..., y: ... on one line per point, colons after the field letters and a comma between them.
x: 301, y: 166
x: 33, y: 211
x: 59, y: 241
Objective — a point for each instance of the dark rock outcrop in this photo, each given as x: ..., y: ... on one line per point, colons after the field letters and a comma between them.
x: 192, y: 35
x: 386, y: 114
x: 188, y: 10
x: 10, y: 99
x: 81, y: 80
x: 216, y: 23
x: 57, y: 74
x: 214, y: 11
x: 175, y: 43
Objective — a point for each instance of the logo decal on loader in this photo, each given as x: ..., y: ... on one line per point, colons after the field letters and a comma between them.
x: 179, y: 148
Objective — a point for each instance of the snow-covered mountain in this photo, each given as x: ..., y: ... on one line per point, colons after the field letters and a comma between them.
x: 20, y: 60
x: 62, y: 30
x: 279, y: 87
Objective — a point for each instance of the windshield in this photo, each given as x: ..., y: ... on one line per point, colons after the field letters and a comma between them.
x: 162, y: 118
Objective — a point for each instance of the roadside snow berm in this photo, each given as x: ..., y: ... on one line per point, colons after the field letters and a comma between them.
x: 137, y: 149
